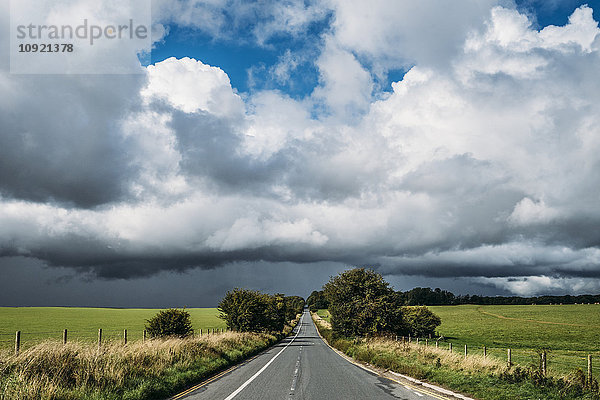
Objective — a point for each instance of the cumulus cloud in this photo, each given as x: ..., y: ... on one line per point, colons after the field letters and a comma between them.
x: 191, y: 86
x: 481, y: 163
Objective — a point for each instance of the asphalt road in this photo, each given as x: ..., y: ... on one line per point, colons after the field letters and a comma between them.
x: 302, y: 367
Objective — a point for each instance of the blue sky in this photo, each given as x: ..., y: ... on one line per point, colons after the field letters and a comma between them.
x: 240, y: 56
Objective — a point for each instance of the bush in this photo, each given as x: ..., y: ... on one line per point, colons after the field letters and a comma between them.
x: 171, y: 322
x: 420, y: 321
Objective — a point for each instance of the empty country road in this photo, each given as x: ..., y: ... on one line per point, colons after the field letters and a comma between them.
x: 302, y: 367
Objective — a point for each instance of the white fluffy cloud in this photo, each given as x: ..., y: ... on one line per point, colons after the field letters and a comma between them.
x: 482, y: 162
x: 191, y: 86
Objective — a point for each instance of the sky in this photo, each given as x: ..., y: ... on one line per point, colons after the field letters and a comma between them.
x: 273, y: 144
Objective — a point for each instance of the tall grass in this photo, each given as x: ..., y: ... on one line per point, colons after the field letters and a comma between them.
x: 485, y: 378
x: 140, y: 370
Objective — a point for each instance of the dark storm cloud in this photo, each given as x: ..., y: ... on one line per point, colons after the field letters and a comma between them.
x: 61, y: 141
x: 209, y: 146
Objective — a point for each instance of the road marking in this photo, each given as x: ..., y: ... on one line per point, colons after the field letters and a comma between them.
x: 253, y: 377
x: 295, y: 378
x: 206, y: 382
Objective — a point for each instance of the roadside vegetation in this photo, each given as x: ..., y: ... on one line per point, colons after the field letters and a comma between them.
x: 142, y: 370
x: 374, y: 340
x: 362, y: 303
x: 252, y: 311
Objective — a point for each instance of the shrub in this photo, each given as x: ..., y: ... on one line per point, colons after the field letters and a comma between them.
x: 420, y: 321
x: 171, y: 322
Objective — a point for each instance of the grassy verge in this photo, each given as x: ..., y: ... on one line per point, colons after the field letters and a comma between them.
x: 141, y: 370
x: 479, y: 377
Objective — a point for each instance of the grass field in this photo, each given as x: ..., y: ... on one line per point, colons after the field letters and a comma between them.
x: 40, y: 323
x: 568, y: 332
x: 324, y: 314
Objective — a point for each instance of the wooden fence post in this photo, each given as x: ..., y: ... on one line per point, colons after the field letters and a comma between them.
x: 125, y: 336
x: 544, y: 363
x: 144, y: 336
x: 484, y: 352
x: 509, y: 358
x: 436, y: 344
x: 99, y: 339
x: 200, y: 332
x: 589, y: 374
x: 450, y: 347
x: 417, y: 341
x: 17, y: 342
x: 65, y: 336
x: 465, y: 351
x: 426, y: 342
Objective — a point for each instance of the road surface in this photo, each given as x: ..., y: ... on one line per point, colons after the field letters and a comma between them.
x: 302, y: 367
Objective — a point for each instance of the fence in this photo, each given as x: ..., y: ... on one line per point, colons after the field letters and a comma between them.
x: 543, y: 354
x: 20, y: 338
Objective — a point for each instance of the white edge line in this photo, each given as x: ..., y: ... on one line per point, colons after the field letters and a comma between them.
x: 430, y: 386
x: 253, y: 377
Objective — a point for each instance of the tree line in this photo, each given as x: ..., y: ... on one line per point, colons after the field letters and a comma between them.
x: 437, y: 297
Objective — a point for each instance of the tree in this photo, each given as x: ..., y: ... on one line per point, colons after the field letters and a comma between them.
x: 170, y: 322
x: 293, y: 306
x: 361, y: 302
x: 420, y: 321
x: 252, y: 311
x: 317, y: 301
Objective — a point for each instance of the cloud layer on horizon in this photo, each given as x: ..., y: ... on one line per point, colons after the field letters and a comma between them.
x: 481, y: 163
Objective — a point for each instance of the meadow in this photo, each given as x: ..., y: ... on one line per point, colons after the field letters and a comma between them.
x: 42, y: 323
x: 568, y: 333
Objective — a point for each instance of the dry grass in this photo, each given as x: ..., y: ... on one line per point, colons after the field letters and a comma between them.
x: 79, y: 370
x: 472, y: 363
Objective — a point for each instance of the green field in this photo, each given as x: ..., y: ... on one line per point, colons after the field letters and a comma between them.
x: 41, y: 323
x: 324, y: 314
x: 568, y: 332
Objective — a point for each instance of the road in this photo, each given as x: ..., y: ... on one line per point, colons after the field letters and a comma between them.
x: 302, y: 367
